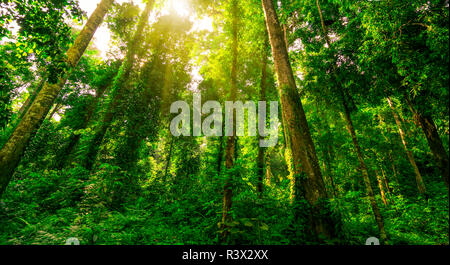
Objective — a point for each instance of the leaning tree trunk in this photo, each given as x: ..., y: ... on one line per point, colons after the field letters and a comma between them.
x: 305, y: 163
x: 24, y: 108
x: 381, y: 187
x: 118, y: 89
x: 412, y: 161
x: 365, y: 172
x: 230, y: 148
x: 169, y: 158
x: 66, y: 153
x: 14, y: 148
x: 386, y: 181
x: 434, y: 141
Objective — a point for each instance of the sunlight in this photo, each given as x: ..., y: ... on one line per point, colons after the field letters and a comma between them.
x: 184, y: 9
x: 181, y: 7
x: 205, y: 23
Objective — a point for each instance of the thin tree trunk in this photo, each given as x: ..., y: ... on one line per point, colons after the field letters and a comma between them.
x: 169, y: 158
x: 434, y: 140
x: 268, y: 169
x: 381, y: 186
x: 66, y: 156
x: 326, y: 163
x: 24, y: 108
x: 231, y: 142
x: 365, y: 172
x: 56, y: 109
x: 385, y: 179
x: 14, y: 148
x: 118, y: 89
x: 220, y: 156
x: 261, y: 152
x: 308, y: 176
x: 351, y: 129
x: 412, y: 161
x: 394, y: 169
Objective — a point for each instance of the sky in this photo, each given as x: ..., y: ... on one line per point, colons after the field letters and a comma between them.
x: 102, y: 36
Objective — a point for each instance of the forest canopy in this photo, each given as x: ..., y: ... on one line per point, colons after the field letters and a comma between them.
x: 357, y: 97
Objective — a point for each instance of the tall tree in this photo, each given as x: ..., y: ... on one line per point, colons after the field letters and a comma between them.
x: 12, y: 151
x: 263, y: 98
x: 412, y: 161
x: 305, y: 163
x: 230, y: 148
x: 119, y: 88
x: 426, y: 123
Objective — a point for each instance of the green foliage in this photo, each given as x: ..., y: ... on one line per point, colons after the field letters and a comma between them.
x: 144, y: 186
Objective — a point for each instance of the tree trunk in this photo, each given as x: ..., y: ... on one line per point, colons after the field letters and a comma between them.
x: 55, y: 110
x: 231, y: 141
x: 434, y: 141
x: 260, y: 161
x: 169, y: 158
x: 220, y: 156
x: 118, y: 89
x: 365, y: 172
x: 14, y: 148
x: 66, y: 155
x: 268, y: 169
x: 381, y: 186
x: 394, y: 169
x: 308, y: 176
x: 326, y: 148
x: 385, y: 179
x: 412, y: 161
x: 24, y: 108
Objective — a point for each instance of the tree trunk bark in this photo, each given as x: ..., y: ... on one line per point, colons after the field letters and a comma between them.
x: 434, y: 141
x: 14, y: 148
x: 308, y: 176
x: 412, y: 161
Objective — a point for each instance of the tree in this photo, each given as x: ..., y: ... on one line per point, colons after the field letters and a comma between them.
x: 306, y: 167
x: 12, y: 151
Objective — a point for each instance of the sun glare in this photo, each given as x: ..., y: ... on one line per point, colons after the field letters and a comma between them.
x: 181, y: 7
x: 184, y: 9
